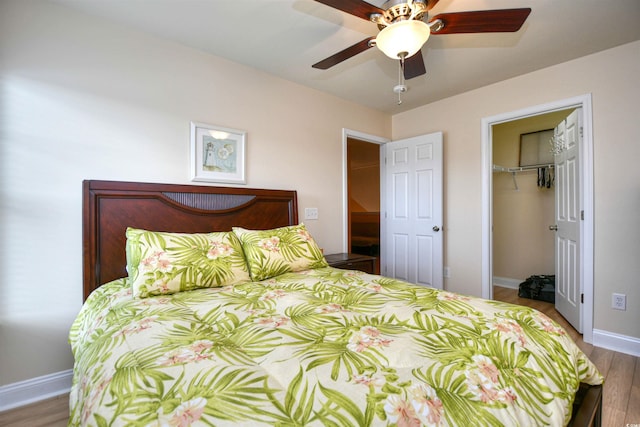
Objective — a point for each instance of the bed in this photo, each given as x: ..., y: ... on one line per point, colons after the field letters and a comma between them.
x: 212, y: 306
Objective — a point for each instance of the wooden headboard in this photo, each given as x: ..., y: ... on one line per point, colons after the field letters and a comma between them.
x: 109, y: 207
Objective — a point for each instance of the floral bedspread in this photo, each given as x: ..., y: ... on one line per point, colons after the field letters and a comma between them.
x: 319, y: 347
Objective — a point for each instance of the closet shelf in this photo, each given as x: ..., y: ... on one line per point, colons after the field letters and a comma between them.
x: 497, y: 168
x: 514, y: 171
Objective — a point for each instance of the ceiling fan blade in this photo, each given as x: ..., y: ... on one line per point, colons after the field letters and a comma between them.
x: 482, y: 21
x: 344, y: 54
x: 414, y: 66
x: 358, y: 8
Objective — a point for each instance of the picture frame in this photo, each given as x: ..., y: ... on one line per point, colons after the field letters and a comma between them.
x: 217, y: 154
x: 535, y: 148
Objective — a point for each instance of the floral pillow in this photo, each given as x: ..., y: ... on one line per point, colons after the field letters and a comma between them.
x: 270, y: 253
x: 165, y: 263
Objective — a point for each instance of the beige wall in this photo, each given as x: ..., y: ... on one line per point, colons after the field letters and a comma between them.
x: 611, y: 77
x: 522, y: 242
x: 84, y: 99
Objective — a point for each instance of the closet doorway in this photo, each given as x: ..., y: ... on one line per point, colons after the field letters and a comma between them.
x: 582, y: 198
x: 523, y: 199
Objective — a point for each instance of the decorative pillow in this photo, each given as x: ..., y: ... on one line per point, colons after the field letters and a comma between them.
x: 165, y: 263
x: 270, y: 253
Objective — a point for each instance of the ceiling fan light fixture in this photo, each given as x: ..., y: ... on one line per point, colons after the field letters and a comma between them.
x: 403, y: 38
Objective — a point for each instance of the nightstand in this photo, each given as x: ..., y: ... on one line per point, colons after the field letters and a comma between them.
x: 364, y: 263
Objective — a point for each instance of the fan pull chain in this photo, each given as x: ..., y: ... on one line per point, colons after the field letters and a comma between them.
x: 400, y: 88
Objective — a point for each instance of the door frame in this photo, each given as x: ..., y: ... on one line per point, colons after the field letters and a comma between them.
x: 586, y: 194
x: 374, y: 139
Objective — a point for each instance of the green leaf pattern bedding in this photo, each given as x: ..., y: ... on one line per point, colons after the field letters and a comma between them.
x: 319, y: 347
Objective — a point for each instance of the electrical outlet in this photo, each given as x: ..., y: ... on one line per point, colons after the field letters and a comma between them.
x: 619, y: 301
x: 310, y: 213
x: 446, y: 272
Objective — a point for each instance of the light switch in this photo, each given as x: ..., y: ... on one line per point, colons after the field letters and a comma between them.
x: 310, y: 213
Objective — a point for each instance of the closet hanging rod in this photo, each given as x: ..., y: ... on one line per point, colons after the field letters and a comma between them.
x: 514, y: 171
x: 497, y: 168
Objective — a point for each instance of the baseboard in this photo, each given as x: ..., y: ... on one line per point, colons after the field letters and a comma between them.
x: 506, y: 282
x: 616, y: 342
x: 35, y: 389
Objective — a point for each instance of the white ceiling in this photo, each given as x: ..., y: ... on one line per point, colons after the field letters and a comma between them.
x: 285, y: 37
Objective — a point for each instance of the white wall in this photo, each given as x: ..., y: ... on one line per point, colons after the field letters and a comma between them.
x: 85, y: 99
x: 612, y: 79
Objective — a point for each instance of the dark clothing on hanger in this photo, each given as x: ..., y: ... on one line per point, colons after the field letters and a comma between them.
x: 545, y: 177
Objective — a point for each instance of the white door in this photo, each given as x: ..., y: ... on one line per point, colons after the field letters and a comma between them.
x: 568, y: 220
x: 412, y: 232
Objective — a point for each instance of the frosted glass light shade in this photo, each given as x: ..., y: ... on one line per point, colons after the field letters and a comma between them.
x: 404, y: 36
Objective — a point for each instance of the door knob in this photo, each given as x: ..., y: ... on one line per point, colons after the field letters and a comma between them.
x: 436, y: 228
x: 553, y: 227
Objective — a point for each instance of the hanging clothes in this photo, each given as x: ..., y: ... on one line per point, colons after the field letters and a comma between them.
x: 546, y: 177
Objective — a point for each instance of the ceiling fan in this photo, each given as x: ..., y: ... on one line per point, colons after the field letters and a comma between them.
x: 405, y: 26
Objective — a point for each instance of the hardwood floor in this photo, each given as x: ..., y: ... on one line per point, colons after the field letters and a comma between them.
x: 52, y: 412
x: 621, y: 401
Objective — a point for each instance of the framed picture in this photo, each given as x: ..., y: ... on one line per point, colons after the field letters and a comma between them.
x: 535, y: 148
x: 217, y: 154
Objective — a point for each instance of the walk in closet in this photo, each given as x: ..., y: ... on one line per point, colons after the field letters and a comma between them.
x: 523, y: 199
